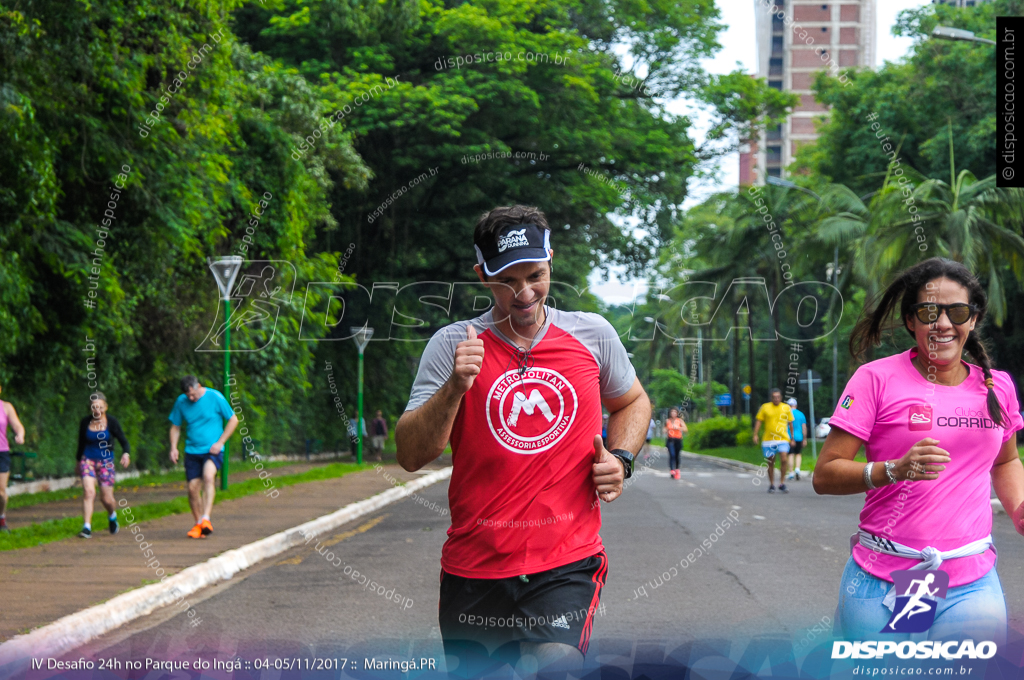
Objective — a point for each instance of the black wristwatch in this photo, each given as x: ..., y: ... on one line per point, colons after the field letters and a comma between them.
x: 627, y: 460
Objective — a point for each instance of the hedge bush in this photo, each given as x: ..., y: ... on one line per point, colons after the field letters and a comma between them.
x: 717, y: 432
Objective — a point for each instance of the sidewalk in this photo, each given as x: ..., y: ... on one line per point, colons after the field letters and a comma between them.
x: 92, y: 571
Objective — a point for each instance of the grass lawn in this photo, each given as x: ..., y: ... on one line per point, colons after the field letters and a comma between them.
x: 58, y: 529
x: 175, y: 476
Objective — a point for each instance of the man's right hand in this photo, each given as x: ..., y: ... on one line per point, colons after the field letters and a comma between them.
x: 469, y: 359
x: 174, y: 456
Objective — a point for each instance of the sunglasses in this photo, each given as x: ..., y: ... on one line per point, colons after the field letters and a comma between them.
x: 958, y: 313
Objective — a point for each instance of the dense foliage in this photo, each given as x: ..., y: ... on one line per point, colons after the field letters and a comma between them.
x: 325, y: 134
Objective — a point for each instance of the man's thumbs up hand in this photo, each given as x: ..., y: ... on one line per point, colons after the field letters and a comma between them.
x: 608, y: 472
x: 469, y: 359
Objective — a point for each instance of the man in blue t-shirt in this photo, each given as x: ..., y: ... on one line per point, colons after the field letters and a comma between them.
x: 798, y: 435
x: 203, y: 410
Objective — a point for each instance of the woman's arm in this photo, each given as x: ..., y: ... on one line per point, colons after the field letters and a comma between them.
x: 12, y: 418
x: 81, y: 437
x: 837, y: 474
x: 1008, y: 482
x: 118, y: 433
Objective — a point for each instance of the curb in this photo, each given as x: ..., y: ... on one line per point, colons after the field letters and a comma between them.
x: 76, y: 629
x: 58, y: 483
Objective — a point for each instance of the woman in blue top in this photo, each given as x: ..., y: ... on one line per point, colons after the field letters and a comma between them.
x: 96, y: 460
x: 798, y: 433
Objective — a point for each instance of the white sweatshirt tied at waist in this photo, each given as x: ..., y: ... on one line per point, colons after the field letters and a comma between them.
x: 930, y: 557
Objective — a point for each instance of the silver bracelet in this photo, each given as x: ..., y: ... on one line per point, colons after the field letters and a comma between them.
x: 867, y: 476
x: 889, y: 466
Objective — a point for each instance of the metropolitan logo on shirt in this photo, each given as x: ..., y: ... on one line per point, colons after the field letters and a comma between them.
x: 530, y: 413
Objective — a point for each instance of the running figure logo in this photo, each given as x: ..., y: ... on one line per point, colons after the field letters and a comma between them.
x: 920, y: 417
x: 520, y: 403
x: 915, y: 608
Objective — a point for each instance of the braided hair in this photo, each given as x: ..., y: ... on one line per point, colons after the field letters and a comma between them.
x: 904, y: 290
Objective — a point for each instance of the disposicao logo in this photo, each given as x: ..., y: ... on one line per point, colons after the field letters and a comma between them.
x: 915, y: 613
x: 872, y: 649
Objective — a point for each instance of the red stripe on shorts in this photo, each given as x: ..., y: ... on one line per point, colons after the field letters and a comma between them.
x: 598, y: 580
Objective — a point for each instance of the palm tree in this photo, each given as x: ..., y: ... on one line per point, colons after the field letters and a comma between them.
x: 913, y: 217
x: 737, y: 243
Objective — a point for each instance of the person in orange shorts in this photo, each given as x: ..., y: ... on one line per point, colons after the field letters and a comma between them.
x: 675, y: 428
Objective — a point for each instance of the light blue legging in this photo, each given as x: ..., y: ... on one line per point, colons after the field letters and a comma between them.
x: 976, y: 610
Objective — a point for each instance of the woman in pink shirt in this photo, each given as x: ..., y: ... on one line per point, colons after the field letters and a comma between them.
x: 937, y: 432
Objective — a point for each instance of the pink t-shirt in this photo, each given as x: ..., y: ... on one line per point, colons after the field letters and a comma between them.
x: 4, y: 446
x: 891, y: 406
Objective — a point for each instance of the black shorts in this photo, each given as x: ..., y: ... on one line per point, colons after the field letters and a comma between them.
x: 796, y: 446
x: 195, y: 462
x: 5, y: 461
x: 557, y: 605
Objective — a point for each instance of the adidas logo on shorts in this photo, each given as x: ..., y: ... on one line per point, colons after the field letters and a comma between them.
x: 560, y: 622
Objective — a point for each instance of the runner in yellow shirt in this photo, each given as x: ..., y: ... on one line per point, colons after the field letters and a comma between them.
x: 776, y: 418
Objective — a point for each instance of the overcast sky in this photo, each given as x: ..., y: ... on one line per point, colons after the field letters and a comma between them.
x: 739, y: 45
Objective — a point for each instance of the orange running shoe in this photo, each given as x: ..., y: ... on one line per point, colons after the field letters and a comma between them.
x: 196, y: 531
x: 206, y: 528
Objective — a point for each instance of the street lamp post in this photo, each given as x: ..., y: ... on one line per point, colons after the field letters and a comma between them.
x: 362, y: 337
x: 225, y: 270
x: 835, y: 335
x: 948, y: 33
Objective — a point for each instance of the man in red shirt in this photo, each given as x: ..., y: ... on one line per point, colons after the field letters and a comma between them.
x: 518, y: 391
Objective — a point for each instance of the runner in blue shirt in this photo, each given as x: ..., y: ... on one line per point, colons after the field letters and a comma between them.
x: 798, y: 433
x: 203, y: 410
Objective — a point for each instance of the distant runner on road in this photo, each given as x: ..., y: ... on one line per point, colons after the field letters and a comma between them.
x: 938, y: 434
x: 518, y: 391
x: 798, y: 435
x: 776, y: 417
x: 675, y: 428
x: 8, y: 417
x: 96, y: 434
x: 203, y: 410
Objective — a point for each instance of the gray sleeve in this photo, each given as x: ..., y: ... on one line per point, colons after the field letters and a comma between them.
x: 599, y: 336
x: 436, y: 363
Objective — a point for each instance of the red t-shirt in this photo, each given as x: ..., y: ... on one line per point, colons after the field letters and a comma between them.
x: 522, y: 496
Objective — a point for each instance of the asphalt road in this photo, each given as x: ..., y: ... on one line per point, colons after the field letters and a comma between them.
x: 773, y: 572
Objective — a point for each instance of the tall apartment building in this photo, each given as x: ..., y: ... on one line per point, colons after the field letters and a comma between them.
x: 795, y: 40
